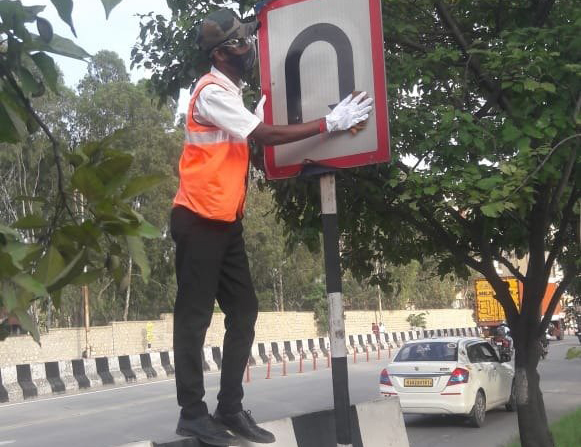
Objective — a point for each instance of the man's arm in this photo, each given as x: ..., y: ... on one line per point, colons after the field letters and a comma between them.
x: 274, y: 135
x: 347, y: 114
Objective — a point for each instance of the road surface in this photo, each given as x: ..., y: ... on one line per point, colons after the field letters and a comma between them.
x: 114, y: 416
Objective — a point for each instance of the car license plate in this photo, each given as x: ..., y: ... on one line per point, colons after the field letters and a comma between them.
x: 418, y: 382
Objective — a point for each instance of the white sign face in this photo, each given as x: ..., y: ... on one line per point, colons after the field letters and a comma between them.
x: 313, y: 53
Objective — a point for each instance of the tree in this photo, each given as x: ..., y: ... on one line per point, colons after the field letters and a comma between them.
x: 484, y: 100
x: 88, y: 220
x: 417, y: 320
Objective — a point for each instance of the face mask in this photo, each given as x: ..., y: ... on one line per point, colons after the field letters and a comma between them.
x: 244, y: 62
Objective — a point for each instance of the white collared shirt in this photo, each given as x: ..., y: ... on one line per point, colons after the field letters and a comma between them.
x: 224, y: 108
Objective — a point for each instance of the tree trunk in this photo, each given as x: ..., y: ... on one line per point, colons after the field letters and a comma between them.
x: 532, y: 418
x: 128, y: 292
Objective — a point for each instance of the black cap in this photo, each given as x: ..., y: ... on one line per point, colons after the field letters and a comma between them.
x: 220, y: 26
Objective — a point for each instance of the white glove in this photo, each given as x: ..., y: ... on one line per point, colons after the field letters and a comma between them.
x: 349, y: 112
x: 259, y: 112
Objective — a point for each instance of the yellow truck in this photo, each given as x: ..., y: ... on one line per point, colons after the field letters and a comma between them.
x: 489, y: 312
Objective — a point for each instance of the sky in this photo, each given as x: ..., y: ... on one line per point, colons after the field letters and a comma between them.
x: 95, y: 33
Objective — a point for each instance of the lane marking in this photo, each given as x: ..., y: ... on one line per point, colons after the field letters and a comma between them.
x: 84, y: 393
x: 12, y: 441
x: 85, y: 413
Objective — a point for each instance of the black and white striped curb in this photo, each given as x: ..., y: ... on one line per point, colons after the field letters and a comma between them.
x: 35, y: 379
x: 374, y: 424
x: 27, y: 381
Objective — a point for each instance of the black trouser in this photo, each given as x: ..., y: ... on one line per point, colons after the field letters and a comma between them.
x: 211, y: 263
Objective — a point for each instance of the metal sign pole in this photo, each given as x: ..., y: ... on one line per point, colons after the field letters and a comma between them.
x: 336, y: 321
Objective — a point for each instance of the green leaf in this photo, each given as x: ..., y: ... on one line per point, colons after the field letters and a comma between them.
x: 10, y: 132
x: 85, y: 179
x: 7, y: 267
x: 489, y: 182
x: 87, y: 277
x: 58, y: 45
x: 27, y: 323
x: 23, y: 254
x: 531, y: 84
x: 69, y: 273
x: 531, y: 131
x: 523, y: 143
x: 9, y: 297
x: 30, y: 85
x: 137, y: 252
x: 32, y: 12
x: 13, y: 118
x: 549, y: 87
x: 65, y: 10
x: 148, y: 231
x: 47, y: 67
x: 510, y: 132
x: 29, y: 222
x: 44, y: 29
x: 30, y: 284
x: 139, y: 185
x: 112, y: 170
x: 492, y: 209
x: 109, y: 5
x: 50, y: 265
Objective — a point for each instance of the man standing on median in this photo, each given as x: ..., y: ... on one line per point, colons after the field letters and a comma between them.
x: 206, y: 225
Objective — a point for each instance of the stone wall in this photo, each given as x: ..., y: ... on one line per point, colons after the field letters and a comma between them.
x: 133, y: 337
x: 359, y: 322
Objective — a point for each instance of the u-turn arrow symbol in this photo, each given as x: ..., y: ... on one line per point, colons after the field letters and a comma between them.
x: 321, y: 32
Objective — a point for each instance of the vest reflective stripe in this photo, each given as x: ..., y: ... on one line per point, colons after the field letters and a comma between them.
x: 213, y: 167
x: 212, y: 137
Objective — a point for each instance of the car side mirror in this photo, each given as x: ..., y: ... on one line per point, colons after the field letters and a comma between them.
x: 505, y: 358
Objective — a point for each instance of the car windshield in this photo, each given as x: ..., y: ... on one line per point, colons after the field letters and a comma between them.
x: 428, y: 352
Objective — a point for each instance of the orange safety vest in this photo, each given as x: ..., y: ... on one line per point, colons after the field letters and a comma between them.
x: 213, y: 167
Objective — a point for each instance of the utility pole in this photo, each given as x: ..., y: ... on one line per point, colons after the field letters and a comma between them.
x: 336, y: 321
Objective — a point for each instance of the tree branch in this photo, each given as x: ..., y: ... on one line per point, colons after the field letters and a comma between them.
x: 54, y: 143
x: 473, y: 62
x: 560, y: 236
x: 404, y: 41
x: 538, y: 168
x: 438, y: 232
x: 483, y: 110
x: 563, y: 182
x: 543, y: 8
x: 511, y: 268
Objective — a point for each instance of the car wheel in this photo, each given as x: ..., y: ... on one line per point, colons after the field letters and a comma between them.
x: 511, y: 404
x: 478, y: 412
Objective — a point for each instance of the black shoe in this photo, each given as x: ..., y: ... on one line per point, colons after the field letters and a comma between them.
x: 206, y: 429
x: 243, y: 424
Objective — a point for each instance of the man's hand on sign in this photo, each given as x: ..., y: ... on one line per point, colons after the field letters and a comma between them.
x: 349, y: 112
x: 360, y: 126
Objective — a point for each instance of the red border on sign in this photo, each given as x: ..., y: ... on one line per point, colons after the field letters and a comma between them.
x: 379, y: 155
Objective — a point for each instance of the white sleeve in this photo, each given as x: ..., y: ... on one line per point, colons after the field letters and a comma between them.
x: 225, y: 110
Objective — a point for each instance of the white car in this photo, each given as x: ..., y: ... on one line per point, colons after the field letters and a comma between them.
x: 449, y: 375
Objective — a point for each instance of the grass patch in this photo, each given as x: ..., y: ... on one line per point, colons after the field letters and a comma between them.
x: 566, y: 431
x: 573, y: 353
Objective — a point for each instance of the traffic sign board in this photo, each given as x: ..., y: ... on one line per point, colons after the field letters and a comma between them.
x: 313, y: 53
